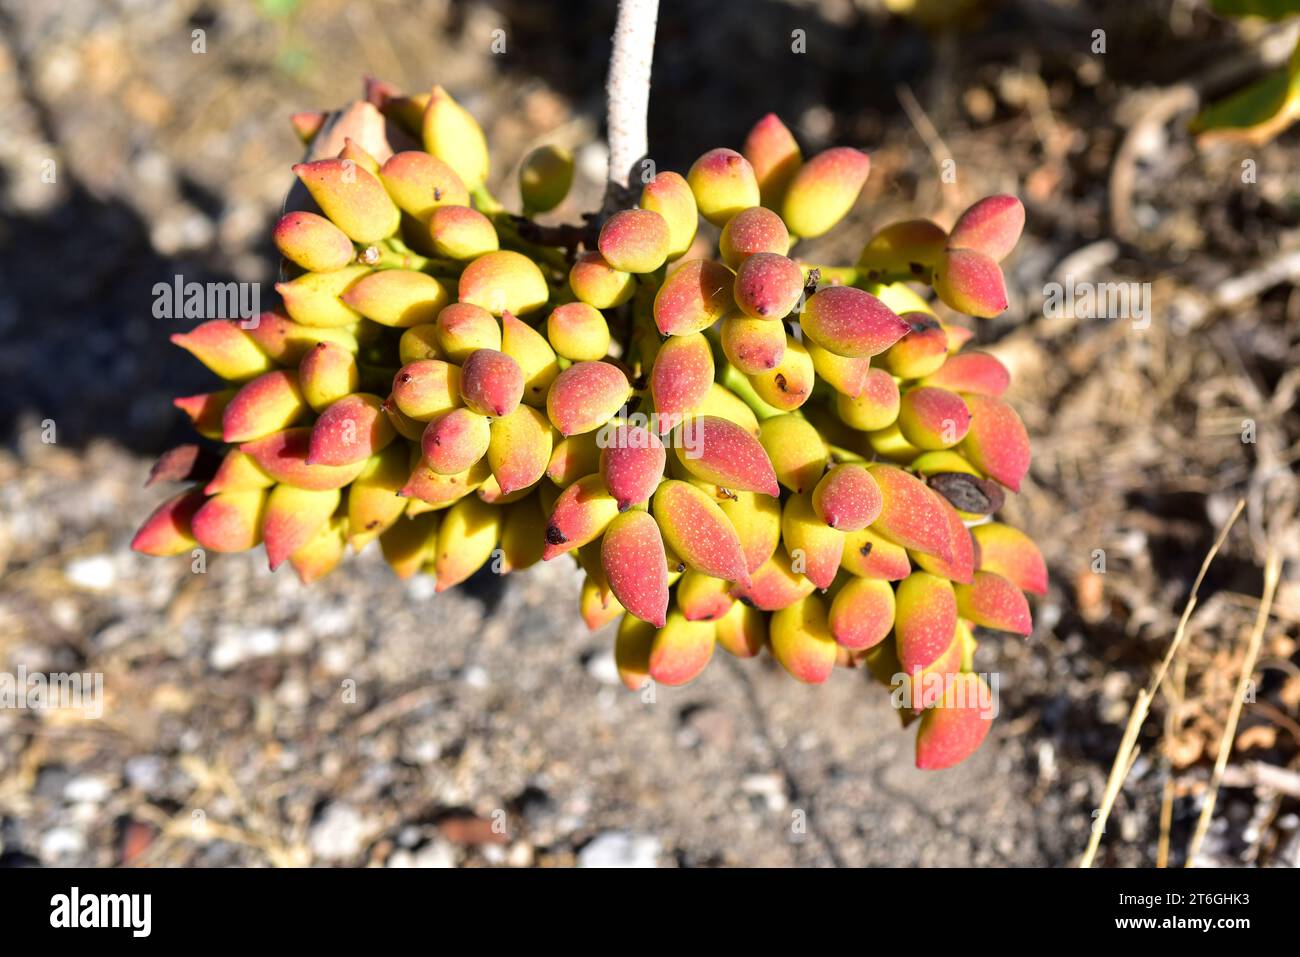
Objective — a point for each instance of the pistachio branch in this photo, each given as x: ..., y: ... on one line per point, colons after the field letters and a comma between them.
x: 628, y: 92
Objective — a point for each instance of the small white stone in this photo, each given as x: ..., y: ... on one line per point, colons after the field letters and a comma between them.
x: 436, y: 854
x: 145, y: 771
x: 236, y: 646
x: 63, y: 612
x: 87, y: 787
x: 620, y: 849
x: 95, y: 572
x: 339, y: 834
x: 335, y: 658
x: 433, y: 854
x: 421, y: 587
x: 601, y: 666
x: 60, y: 843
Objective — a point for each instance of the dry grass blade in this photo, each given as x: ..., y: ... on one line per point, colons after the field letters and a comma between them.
x: 1272, y: 570
x: 1176, y: 693
x: 1124, y: 757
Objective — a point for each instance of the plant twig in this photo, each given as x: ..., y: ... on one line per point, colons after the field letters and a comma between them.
x: 1126, y: 754
x: 1272, y: 570
x: 1257, y: 774
x: 921, y: 122
x: 1176, y: 696
x: 568, y: 235
x: 628, y: 90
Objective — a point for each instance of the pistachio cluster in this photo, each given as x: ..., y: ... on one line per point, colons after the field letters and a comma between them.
x: 740, y: 450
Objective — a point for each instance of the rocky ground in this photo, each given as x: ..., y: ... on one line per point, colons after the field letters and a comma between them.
x: 364, y: 721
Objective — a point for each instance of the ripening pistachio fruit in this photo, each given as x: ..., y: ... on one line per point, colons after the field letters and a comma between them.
x: 723, y: 183
x: 491, y: 383
x: 533, y: 354
x: 314, y: 298
x: 768, y: 286
x: 681, y: 378
x: 921, y: 351
x: 578, y: 332
x: 742, y: 631
x: 504, y: 281
x: 976, y: 372
x: 463, y: 328
x: 775, y: 584
x: 313, y: 242
x: 959, y: 566
x: 753, y: 346
x: 455, y: 440
x: 850, y: 322
x: 1012, y: 554
x: 545, y: 177
x: 283, y: 456
x: 862, y: 613
x: 230, y: 521
x: 397, y: 297
x: 774, y: 155
x: 996, y: 442
x: 419, y: 342
x: 795, y: 447
x: 824, y: 189
x: 632, y: 464
x: 351, y: 197
x: 580, y: 515
x: 421, y: 184
x: 598, y: 284
x: 585, y: 396
x: 459, y: 232
x: 844, y: 375
x: 225, y: 349
x: 789, y: 384
x: 991, y: 226
x: 719, y: 451
x: 632, y: 553
x: 911, y: 514
x: 699, y: 532
x: 756, y: 517
x: 271, y: 402
x: 467, y: 536
x: 285, y: 341
x: 454, y: 136
x: 680, y: 650
x: 326, y: 374
x: 423, y: 389
x: 847, y: 497
x: 351, y: 430
x: 753, y: 230
x: 519, y: 449
x: 956, y: 725
x: 573, y: 457
x: 694, y: 296
x: 801, y: 640
x: 875, y: 407
x: 933, y: 418
x: 970, y: 282
x: 206, y: 410
x: 814, y: 545
x: 669, y: 195
x: 909, y: 248
x: 634, y: 240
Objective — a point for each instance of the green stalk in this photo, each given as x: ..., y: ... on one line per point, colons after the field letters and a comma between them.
x: 737, y: 382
